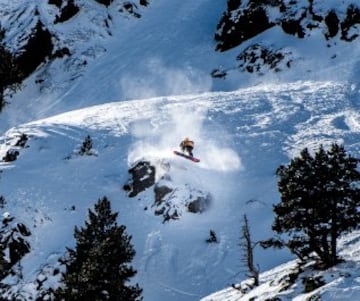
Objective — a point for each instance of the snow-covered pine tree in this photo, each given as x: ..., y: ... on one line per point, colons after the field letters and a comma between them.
x: 86, y: 146
x: 98, y: 268
x: 319, y: 200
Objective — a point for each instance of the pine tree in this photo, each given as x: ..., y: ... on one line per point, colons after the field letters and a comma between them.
x: 86, y: 146
x: 319, y: 200
x: 98, y: 268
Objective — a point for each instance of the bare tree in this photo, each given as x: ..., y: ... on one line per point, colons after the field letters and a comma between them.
x: 247, y: 248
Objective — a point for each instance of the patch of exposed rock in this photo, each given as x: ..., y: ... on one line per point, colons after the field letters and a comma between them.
x: 244, y: 20
x: 170, y: 200
x: 142, y: 177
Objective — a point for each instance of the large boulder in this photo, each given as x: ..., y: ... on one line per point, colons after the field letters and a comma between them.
x: 172, y: 200
x: 142, y: 177
x: 200, y: 204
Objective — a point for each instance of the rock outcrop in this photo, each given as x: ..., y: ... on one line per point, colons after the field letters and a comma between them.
x: 244, y: 20
x: 170, y: 200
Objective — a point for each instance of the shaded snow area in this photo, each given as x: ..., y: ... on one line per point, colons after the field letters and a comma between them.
x: 241, y: 138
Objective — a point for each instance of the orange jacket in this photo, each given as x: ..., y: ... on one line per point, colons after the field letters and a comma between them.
x: 188, y: 143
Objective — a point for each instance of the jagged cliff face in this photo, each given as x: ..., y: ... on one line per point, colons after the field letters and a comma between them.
x: 244, y: 20
x: 42, y: 33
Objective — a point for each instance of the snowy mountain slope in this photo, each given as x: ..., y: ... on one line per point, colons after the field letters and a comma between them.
x: 157, y: 54
x: 241, y: 138
x: 169, y: 50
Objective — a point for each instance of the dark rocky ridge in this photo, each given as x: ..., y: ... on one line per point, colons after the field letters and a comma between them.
x: 244, y: 20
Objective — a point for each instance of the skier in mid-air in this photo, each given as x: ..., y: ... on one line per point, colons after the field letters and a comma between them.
x: 187, y: 146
